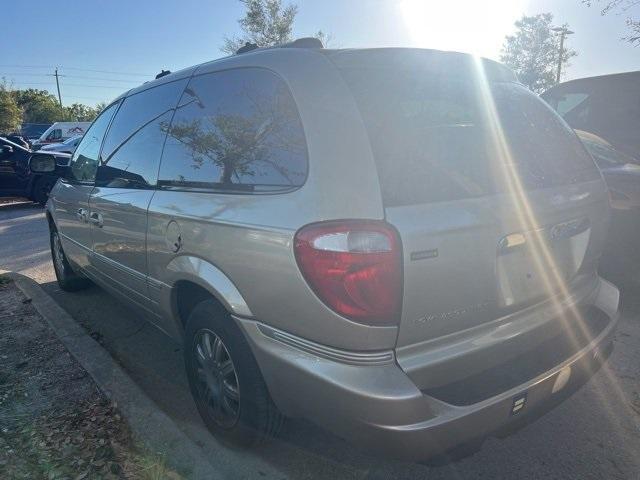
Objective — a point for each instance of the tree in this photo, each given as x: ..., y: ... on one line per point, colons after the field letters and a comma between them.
x: 38, y: 106
x: 532, y: 52
x: 100, y: 106
x: 81, y: 113
x: 265, y: 23
x: 623, y: 6
x: 10, y: 113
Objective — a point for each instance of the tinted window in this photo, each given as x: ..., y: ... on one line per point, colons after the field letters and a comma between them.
x: 131, y: 151
x: 236, y: 130
x: 565, y: 103
x: 84, y: 161
x: 436, y: 138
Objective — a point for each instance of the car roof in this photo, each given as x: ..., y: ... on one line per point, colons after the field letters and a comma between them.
x: 596, y: 80
x: 296, y: 48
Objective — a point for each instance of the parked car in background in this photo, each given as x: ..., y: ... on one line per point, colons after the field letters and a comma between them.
x: 607, y: 106
x: 16, y: 178
x: 11, y: 154
x: 621, y: 256
x: 620, y: 171
x: 18, y: 139
x: 68, y: 146
x: 33, y: 131
x: 59, y: 132
x: 377, y: 270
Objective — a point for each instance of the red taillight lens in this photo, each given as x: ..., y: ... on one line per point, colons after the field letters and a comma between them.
x: 354, y: 267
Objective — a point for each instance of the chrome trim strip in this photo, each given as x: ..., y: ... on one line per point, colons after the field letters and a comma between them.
x: 330, y: 353
x: 84, y: 247
x: 141, y: 277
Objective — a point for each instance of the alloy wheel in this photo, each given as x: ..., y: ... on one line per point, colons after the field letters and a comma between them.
x: 217, y: 380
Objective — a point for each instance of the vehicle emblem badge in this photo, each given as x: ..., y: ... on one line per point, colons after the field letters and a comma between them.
x: 518, y: 403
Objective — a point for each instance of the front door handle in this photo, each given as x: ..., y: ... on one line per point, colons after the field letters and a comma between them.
x: 96, y: 219
x: 82, y: 214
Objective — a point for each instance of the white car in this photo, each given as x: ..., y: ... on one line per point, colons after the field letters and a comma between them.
x: 68, y: 146
x: 59, y: 132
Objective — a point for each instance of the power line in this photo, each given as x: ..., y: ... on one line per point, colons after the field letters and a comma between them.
x: 107, y: 71
x: 77, y: 85
x: 94, y: 86
x: 77, y: 97
x: 25, y: 66
x: 80, y: 69
x: 103, y: 79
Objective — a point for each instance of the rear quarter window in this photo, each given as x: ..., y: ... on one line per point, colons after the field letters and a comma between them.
x: 235, y: 131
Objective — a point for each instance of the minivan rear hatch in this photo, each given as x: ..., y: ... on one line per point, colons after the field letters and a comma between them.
x: 495, y: 199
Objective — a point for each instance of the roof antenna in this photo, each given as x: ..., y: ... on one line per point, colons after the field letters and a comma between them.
x: 163, y: 73
x: 246, y: 48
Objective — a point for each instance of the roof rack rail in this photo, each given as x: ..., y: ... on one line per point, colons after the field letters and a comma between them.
x: 247, y: 47
x: 305, y: 42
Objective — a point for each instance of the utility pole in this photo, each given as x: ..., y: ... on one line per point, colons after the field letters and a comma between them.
x: 563, y: 31
x: 58, y: 86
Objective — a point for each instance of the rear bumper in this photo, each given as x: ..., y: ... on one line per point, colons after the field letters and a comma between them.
x: 370, y: 400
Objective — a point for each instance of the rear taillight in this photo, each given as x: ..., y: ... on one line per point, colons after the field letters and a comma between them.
x: 354, y: 267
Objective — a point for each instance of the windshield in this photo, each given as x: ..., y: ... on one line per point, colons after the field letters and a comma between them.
x: 434, y: 137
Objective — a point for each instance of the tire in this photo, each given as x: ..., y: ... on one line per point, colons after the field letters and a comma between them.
x: 68, y: 280
x: 218, y: 372
x: 41, y: 189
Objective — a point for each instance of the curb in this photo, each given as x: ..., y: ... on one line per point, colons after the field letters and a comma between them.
x: 155, y: 429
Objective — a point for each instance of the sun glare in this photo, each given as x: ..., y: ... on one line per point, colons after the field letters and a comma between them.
x: 470, y: 26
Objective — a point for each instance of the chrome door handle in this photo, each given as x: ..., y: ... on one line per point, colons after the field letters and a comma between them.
x: 96, y: 219
x: 81, y: 214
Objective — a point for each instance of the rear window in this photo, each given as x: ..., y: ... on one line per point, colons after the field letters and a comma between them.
x: 438, y: 138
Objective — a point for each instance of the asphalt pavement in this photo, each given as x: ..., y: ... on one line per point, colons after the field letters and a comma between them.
x: 595, y: 434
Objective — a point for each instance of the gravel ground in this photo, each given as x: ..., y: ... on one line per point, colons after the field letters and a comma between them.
x: 54, y: 421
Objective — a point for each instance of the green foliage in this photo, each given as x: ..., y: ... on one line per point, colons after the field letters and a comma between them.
x: 532, y: 52
x: 81, y: 113
x: 265, y: 23
x: 10, y: 113
x: 38, y: 106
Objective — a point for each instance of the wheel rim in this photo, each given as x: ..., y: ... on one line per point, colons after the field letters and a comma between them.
x: 58, y: 254
x: 217, y: 380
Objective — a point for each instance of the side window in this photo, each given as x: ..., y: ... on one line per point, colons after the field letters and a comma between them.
x: 131, y: 152
x: 55, y: 134
x: 567, y: 102
x: 84, y: 161
x: 237, y: 130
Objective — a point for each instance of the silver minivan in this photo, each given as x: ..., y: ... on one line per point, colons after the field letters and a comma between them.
x: 399, y: 245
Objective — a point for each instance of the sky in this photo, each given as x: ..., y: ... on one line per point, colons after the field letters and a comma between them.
x: 105, y: 47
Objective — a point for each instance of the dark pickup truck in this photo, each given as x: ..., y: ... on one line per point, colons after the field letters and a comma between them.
x: 15, y: 177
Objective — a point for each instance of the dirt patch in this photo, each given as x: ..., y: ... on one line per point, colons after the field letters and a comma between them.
x: 54, y: 421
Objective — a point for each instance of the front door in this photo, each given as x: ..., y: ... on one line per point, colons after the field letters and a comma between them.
x: 125, y: 183
x: 70, y: 197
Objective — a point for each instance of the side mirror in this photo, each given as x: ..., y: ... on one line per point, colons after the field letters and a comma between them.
x: 42, y: 163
